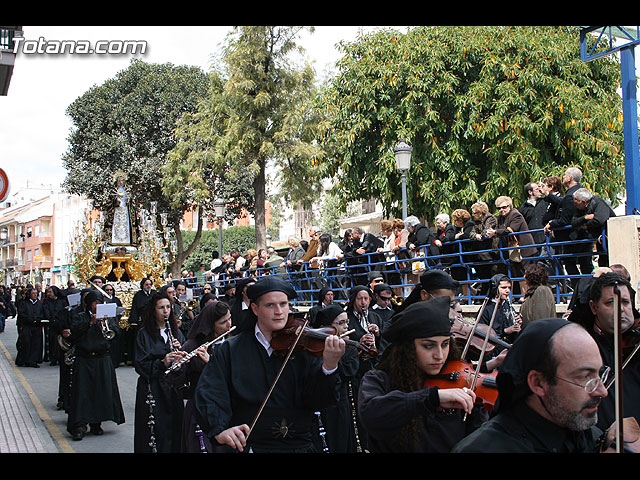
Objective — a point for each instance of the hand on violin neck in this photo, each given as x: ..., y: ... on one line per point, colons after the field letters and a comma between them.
x: 334, y: 348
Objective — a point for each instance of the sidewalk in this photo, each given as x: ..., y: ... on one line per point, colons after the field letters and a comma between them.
x: 22, y: 429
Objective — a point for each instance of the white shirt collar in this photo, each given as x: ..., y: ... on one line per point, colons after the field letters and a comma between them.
x: 263, y: 340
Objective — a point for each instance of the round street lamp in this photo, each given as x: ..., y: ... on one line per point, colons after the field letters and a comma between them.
x: 402, y: 151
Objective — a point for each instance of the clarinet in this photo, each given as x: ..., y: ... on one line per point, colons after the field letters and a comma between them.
x: 170, y: 334
x: 194, y: 352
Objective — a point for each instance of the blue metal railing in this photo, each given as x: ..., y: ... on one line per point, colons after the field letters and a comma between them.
x: 341, y: 275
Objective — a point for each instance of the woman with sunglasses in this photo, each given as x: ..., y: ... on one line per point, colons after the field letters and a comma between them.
x: 510, y: 220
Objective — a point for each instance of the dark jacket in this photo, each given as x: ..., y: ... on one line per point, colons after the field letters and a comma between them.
x: 591, y: 228
x: 566, y: 210
x: 533, y: 215
x: 517, y: 223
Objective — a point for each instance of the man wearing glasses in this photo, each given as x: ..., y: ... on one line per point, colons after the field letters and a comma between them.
x: 599, y: 322
x: 550, y: 386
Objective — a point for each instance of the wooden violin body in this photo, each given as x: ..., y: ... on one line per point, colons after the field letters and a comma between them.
x: 459, y: 374
x: 460, y: 330
x: 310, y: 339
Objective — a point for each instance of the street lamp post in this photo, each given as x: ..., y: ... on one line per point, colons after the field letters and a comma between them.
x: 220, y: 209
x: 402, y: 151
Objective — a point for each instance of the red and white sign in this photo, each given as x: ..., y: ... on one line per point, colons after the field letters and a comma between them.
x: 4, y: 185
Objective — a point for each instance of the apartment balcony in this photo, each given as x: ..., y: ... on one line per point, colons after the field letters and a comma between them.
x: 41, y: 261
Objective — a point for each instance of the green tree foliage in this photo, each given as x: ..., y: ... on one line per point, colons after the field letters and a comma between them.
x: 233, y: 238
x: 127, y: 124
x: 486, y: 109
x: 194, y: 172
x: 265, y: 116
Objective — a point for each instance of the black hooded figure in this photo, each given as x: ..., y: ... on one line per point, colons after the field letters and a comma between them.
x: 29, y: 323
x: 53, y: 309
x: 95, y: 397
x: 209, y: 325
x: 239, y: 305
x: 505, y: 316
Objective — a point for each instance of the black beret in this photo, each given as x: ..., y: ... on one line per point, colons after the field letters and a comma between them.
x: 381, y: 287
x: 328, y: 314
x: 374, y: 274
x: 97, y: 277
x: 228, y: 286
x: 92, y: 296
x: 268, y: 284
x: 435, y: 279
x: 421, y: 320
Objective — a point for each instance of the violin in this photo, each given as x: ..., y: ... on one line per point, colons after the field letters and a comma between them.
x: 311, y: 339
x: 461, y: 329
x: 459, y: 374
x: 631, y: 441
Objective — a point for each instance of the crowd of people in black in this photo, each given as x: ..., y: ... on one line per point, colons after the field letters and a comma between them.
x: 236, y: 368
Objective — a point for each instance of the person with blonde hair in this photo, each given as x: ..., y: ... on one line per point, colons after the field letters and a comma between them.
x: 484, y: 220
x: 510, y: 220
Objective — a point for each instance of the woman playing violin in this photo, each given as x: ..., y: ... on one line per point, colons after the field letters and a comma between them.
x: 399, y: 411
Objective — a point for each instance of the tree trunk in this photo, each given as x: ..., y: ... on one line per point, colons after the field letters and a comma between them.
x: 182, y: 254
x: 259, y: 188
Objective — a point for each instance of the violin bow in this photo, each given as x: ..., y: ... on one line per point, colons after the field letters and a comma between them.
x: 476, y: 373
x: 284, y: 363
x: 473, y: 328
x: 617, y: 349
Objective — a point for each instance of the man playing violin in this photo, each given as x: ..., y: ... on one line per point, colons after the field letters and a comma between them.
x: 399, y: 410
x: 550, y: 386
x: 241, y: 404
x: 599, y: 322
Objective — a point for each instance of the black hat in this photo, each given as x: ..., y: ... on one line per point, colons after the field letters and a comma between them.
x: 435, y: 279
x: 98, y: 277
x: 228, y: 286
x: 420, y: 320
x: 381, y: 287
x: 328, y: 314
x: 92, y: 296
x: 524, y: 356
x: 374, y: 274
x: 268, y: 284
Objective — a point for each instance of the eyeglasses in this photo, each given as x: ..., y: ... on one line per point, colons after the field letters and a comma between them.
x: 503, y: 207
x: 592, y: 385
x: 385, y: 299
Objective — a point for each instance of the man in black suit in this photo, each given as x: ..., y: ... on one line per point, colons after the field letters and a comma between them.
x: 571, y: 181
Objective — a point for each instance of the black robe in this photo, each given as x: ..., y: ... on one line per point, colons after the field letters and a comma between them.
x: 30, y: 339
x: 169, y: 405
x: 338, y: 419
x: 95, y: 397
x: 187, y: 376
x: 384, y: 412
x: 236, y: 380
x: 521, y: 430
